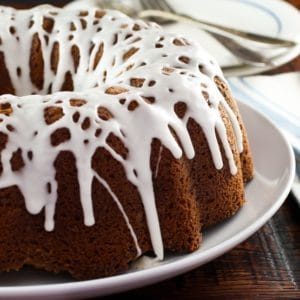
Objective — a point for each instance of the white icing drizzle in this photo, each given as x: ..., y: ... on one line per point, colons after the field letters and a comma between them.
x: 169, y: 66
x: 158, y: 161
x: 115, y: 198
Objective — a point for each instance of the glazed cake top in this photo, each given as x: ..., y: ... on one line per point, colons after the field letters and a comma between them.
x: 128, y: 79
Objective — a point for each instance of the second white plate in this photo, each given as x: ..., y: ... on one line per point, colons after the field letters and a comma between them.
x: 269, y: 17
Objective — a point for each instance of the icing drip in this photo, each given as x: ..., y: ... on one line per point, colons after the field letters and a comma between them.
x: 113, y: 195
x: 131, y: 71
x: 158, y: 162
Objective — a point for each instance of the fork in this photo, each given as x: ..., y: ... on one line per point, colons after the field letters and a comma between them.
x: 162, y: 12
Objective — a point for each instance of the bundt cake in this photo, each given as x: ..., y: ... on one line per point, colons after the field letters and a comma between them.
x: 116, y: 139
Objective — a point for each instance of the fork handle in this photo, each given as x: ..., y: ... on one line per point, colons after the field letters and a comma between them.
x: 220, y: 29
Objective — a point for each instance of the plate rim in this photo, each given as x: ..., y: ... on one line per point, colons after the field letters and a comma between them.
x: 128, y: 281
x: 295, y: 51
x: 243, y: 69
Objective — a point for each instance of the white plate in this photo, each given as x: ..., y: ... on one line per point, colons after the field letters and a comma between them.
x: 274, y: 173
x: 270, y: 17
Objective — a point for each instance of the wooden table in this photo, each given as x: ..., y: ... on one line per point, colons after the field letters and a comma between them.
x: 266, y: 266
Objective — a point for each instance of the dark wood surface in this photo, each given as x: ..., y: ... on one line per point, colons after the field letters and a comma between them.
x: 266, y: 266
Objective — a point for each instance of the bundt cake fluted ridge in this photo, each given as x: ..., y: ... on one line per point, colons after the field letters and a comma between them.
x: 116, y: 139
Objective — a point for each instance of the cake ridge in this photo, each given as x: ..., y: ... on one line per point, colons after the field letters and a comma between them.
x: 114, y: 92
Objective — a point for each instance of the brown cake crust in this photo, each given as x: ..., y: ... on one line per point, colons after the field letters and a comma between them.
x: 191, y: 194
x: 181, y: 185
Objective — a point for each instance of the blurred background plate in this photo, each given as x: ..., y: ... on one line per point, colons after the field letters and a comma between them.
x: 269, y: 17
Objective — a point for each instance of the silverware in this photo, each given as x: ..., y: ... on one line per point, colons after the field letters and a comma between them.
x: 230, y: 38
x: 161, y: 11
x: 247, y: 55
